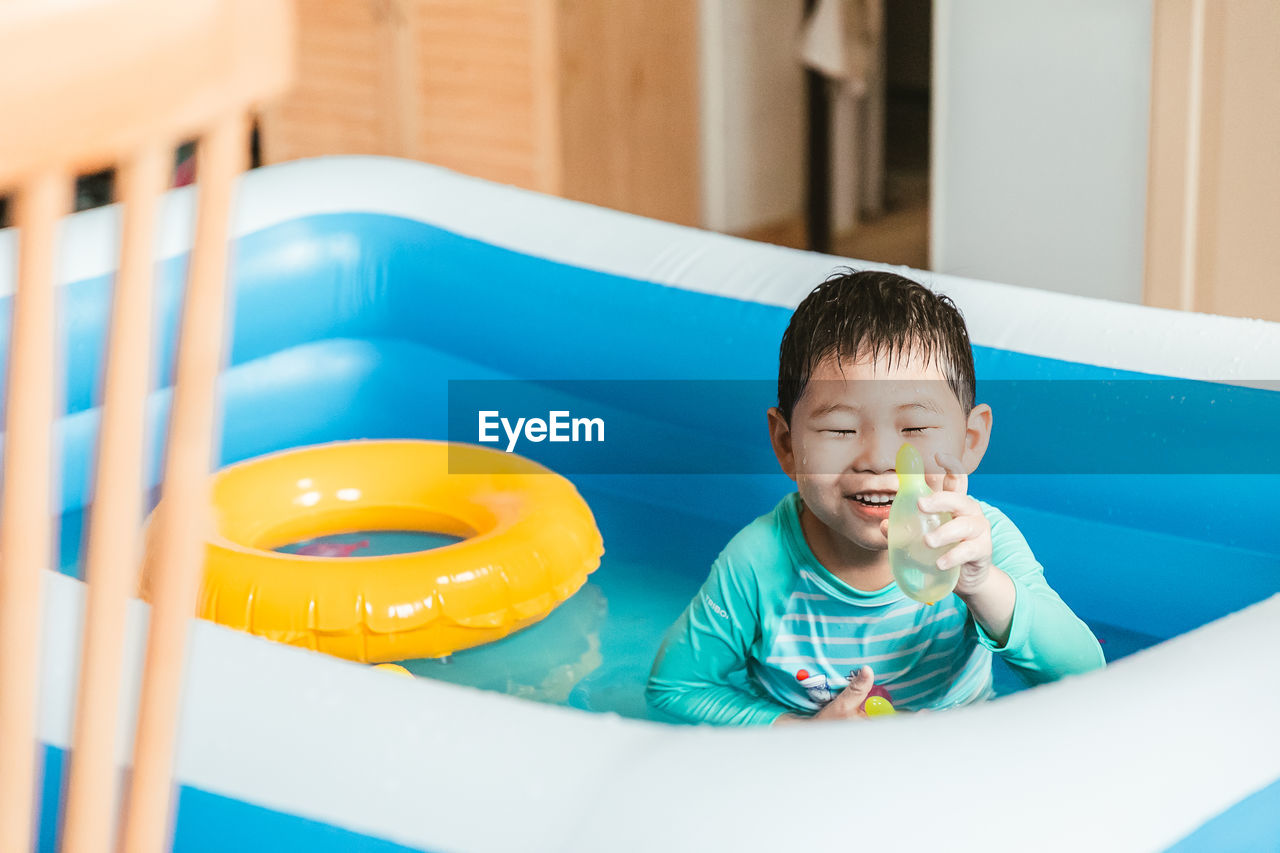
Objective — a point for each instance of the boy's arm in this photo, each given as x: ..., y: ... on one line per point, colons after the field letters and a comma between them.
x: 711, y: 640
x: 1046, y: 641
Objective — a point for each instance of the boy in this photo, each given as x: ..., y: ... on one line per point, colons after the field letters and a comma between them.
x: 803, y: 597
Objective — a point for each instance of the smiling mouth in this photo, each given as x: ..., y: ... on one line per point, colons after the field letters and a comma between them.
x: 872, y: 499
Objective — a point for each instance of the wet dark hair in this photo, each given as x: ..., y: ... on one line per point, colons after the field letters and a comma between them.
x: 855, y: 315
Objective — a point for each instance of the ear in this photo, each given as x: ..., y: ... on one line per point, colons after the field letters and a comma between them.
x: 977, y: 436
x: 780, y: 436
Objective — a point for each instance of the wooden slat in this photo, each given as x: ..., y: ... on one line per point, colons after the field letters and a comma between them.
x: 115, y: 546
x: 26, y: 519
x: 1191, y: 164
x: 178, y: 554
x: 547, y: 118
x: 1167, y: 151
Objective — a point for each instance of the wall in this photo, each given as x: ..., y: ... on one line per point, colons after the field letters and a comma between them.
x: 592, y: 101
x: 1040, y: 143
x: 438, y: 80
x: 628, y: 105
x: 753, y: 114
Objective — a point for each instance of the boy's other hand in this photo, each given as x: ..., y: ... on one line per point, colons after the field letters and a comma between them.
x: 847, y: 705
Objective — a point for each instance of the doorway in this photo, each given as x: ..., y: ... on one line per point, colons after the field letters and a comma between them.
x: 898, y: 233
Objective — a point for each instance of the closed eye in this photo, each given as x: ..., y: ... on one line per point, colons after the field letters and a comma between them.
x: 916, y: 430
x: 841, y: 432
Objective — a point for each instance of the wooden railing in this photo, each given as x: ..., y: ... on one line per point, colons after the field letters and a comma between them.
x: 85, y: 86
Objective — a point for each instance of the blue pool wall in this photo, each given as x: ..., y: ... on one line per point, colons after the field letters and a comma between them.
x: 352, y: 326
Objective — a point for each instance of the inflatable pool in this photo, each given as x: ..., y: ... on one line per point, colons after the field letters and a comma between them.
x: 383, y: 299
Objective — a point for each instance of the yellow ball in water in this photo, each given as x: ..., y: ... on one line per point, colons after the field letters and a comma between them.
x: 878, y: 706
x: 394, y: 667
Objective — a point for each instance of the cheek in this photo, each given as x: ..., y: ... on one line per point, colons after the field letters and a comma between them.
x: 943, y: 441
x: 947, y: 442
x: 821, y: 494
x: 820, y: 458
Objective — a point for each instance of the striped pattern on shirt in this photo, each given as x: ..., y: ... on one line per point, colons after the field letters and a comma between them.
x: 925, y: 656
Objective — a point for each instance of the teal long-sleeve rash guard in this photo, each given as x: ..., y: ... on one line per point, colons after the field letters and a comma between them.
x: 771, y: 608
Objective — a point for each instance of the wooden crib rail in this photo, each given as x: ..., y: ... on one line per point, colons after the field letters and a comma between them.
x: 85, y: 85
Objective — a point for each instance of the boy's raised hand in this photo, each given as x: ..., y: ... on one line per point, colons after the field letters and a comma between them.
x: 987, y: 591
x: 968, y: 530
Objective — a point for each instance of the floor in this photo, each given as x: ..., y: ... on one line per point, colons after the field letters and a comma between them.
x: 901, y: 234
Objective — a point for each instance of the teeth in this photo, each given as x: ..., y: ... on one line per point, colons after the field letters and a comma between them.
x: 869, y: 498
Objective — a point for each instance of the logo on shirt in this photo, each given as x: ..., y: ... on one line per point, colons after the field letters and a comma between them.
x: 720, y: 611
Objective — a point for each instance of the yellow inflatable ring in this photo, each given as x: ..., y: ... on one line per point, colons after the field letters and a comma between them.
x: 529, y: 543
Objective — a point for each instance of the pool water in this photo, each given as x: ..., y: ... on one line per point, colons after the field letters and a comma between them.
x: 373, y: 543
x: 594, y: 651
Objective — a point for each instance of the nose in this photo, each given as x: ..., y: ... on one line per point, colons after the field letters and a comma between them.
x: 876, y: 452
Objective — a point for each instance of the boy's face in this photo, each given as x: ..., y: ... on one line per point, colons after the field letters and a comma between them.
x: 845, y: 433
